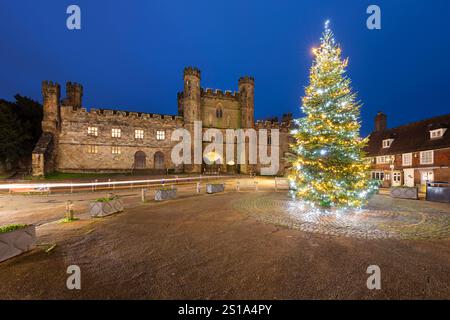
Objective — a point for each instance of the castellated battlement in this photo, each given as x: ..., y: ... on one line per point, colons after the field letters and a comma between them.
x: 192, y: 71
x: 50, y: 87
x: 273, y: 123
x: 69, y: 111
x: 247, y: 80
x: 217, y: 93
x: 269, y: 124
x: 74, y: 85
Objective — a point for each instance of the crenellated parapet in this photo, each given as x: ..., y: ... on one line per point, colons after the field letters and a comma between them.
x: 247, y: 80
x: 272, y: 124
x: 109, y: 114
x: 219, y: 94
x: 74, y: 95
x: 192, y: 71
x: 50, y: 89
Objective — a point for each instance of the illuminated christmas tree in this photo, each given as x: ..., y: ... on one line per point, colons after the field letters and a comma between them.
x: 328, y: 164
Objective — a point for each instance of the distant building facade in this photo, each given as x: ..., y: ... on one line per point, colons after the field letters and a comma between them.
x: 76, y: 139
x: 412, y: 154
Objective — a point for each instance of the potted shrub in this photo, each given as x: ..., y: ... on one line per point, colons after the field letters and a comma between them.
x: 16, y: 239
x: 405, y: 192
x: 215, y: 187
x: 105, y: 206
x: 165, y: 194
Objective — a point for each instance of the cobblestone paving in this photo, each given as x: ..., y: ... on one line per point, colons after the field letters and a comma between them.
x: 384, y: 218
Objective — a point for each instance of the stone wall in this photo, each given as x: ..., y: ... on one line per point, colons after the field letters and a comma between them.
x: 75, y: 148
x: 217, y: 100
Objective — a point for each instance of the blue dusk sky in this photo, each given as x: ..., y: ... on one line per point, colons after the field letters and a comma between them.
x: 130, y: 54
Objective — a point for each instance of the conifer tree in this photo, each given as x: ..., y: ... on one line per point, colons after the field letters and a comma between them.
x: 329, y: 168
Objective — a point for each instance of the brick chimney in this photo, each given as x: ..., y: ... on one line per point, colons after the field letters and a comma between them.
x: 380, y: 122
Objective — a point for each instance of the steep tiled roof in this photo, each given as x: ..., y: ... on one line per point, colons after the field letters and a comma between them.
x: 411, y: 137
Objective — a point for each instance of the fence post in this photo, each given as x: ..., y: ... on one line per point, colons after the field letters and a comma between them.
x: 143, y: 195
x: 237, y: 185
x: 198, y: 187
x: 71, y: 187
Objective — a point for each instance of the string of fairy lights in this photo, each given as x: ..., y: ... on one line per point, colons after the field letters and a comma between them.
x: 329, y: 168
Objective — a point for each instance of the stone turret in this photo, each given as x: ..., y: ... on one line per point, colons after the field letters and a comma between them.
x: 247, y: 101
x: 74, y: 95
x: 191, y: 95
x: 51, y: 93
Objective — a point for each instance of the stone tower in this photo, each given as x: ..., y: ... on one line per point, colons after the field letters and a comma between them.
x: 74, y: 94
x: 247, y: 101
x: 51, y: 93
x: 192, y: 95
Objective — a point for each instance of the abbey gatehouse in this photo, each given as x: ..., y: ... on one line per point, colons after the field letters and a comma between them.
x: 77, y: 139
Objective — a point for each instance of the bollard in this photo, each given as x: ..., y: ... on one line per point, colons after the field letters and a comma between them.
x: 198, y: 187
x: 237, y: 185
x: 69, y: 210
x: 143, y: 192
x: 71, y: 187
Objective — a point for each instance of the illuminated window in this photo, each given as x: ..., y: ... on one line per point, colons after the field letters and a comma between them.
x: 92, y: 149
x: 434, y: 134
x: 115, y: 150
x: 407, y: 159
x: 93, y: 131
x: 384, y: 159
x: 139, y: 134
x: 397, y: 177
x: 378, y: 175
x: 160, y: 135
x: 426, y: 157
x: 116, y: 133
x: 387, y: 143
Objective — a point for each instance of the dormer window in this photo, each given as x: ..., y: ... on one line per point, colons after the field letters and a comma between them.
x: 387, y: 143
x: 438, y: 133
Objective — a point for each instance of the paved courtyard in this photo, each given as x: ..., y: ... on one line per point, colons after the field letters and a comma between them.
x: 235, y: 245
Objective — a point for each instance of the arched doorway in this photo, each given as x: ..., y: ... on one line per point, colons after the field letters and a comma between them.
x: 140, y: 160
x: 159, y: 160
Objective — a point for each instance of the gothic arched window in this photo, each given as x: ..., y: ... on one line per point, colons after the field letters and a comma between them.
x: 219, y: 113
